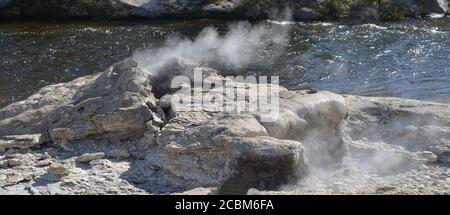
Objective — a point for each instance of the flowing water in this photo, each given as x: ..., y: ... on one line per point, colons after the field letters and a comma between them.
x: 409, y: 59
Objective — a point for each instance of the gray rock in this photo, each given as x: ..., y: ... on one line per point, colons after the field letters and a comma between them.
x: 428, y: 156
x: 21, y: 141
x: 165, y: 101
x: 112, y: 104
x: 98, y: 162
x: 399, y: 9
x: 43, y: 163
x: 65, y: 145
x: 88, y: 157
x: 436, y: 6
x: 119, y: 154
x: 14, y: 162
x: 4, y: 164
x: 221, y: 7
x: 61, y: 169
x: 195, y: 145
x: 442, y: 151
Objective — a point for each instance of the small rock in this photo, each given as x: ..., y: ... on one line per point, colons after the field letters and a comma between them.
x: 4, y: 164
x: 165, y: 101
x: 32, y: 190
x: 119, y: 154
x: 65, y: 146
x: 2, y: 150
x: 174, y: 148
x: 126, y: 64
x: 313, y: 91
x: 43, y: 163
x: 100, y: 162
x: 149, y: 138
x: 59, y: 169
x: 11, y: 155
x: 11, y: 152
x: 86, y: 158
x: 21, y: 141
x: 14, y: 162
x: 429, y: 156
x: 44, y: 156
x: 436, y: 6
x: 442, y: 152
x: 95, y: 163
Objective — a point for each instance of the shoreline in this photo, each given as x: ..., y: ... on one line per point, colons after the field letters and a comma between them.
x: 315, y: 10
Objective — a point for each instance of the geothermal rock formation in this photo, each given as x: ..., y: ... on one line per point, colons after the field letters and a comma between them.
x: 118, y: 133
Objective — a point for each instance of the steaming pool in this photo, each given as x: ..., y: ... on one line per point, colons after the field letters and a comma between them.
x: 409, y: 59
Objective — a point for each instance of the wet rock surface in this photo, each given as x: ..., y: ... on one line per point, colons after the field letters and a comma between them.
x: 108, y: 134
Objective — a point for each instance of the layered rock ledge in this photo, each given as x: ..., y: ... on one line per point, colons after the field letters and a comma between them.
x: 116, y: 133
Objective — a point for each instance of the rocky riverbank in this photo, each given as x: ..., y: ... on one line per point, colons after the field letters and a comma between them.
x: 303, y: 10
x: 111, y: 133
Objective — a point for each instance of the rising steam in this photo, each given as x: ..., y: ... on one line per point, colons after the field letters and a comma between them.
x: 240, y: 47
x: 237, y: 48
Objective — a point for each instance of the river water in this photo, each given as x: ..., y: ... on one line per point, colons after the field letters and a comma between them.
x: 409, y: 59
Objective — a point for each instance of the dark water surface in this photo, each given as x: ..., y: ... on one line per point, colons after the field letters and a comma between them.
x: 408, y: 59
